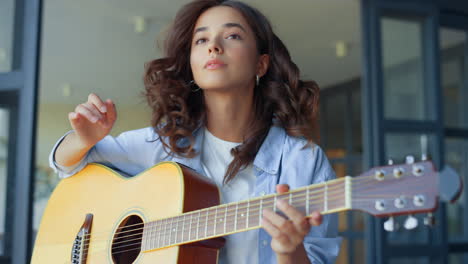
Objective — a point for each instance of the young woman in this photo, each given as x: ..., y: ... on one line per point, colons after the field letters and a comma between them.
x: 227, y: 101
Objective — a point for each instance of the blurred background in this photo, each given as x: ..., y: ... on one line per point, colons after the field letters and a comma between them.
x: 393, y: 81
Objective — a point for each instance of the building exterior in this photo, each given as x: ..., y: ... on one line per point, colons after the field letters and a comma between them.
x: 410, y: 98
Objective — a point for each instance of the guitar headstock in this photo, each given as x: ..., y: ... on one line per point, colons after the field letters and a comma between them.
x: 396, y: 189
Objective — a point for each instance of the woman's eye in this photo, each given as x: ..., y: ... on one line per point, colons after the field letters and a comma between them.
x: 235, y: 36
x: 198, y: 41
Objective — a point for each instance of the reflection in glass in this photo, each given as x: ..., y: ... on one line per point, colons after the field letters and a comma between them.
x: 359, y: 251
x: 454, y: 77
x: 456, y: 156
x: 4, y: 121
x: 7, y: 8
x: 458, y: 258
x: 343, y: 255
x: 410, y: 261
x: 403, y: 80
x: 400, y: 145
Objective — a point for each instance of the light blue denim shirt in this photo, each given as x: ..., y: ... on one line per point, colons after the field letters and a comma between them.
x: 281, y: 159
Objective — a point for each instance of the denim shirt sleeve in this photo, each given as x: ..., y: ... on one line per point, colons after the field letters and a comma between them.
x: 322, y: 244
x: 129, y: 153
x: 306, y: 166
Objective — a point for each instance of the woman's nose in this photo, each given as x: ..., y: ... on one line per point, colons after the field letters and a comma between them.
x: 215, y: 47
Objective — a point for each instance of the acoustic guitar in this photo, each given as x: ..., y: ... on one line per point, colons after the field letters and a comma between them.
x: 170, y: 214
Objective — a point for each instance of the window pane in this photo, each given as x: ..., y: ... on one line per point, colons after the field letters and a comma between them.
x: 458, y: 258
x: 334, y: 119
x: 7, y: 8
x: 4, y: 126
x: 454, y: 77
x: 400, y: 145
x: 357, y: 121
x: 359, y: 251
x: 456, y: 155
x: 404, y: 91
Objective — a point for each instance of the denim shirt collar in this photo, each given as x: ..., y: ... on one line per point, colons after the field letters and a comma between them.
x: 267, y: 159
x: 269, y: 155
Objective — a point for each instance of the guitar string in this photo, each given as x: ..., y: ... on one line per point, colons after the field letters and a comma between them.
x: 300, y: 204
x: 170, y: 240
x: 185, y: 222
x: 230, y: 224
x: 296, y: 195
x: 211, y: 220
x: 355, y: 180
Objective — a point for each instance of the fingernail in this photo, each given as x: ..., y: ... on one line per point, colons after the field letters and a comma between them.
x: 103, y: 109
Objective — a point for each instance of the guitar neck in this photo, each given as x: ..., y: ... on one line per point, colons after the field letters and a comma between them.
x: 328, y: 197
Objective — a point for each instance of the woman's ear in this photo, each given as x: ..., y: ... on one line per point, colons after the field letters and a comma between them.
x: 262, y: 66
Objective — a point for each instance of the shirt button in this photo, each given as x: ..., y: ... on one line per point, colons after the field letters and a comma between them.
x: 265, y: 243
x: 262, y: 193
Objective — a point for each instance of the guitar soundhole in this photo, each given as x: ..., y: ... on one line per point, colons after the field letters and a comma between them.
x: 126, y: 245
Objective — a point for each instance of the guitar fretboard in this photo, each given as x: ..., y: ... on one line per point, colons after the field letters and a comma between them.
x: 328, y: 197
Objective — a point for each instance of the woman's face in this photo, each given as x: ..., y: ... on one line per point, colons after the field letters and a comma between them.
x: 223, y: 51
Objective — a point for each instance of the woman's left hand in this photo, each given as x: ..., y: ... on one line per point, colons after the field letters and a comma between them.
x: 288, y: 234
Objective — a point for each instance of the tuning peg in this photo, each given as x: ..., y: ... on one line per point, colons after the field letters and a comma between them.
x: 390, y: 162
x: 429, y: 220
x: 409, y: 159
x: 391, y: 225
x: 411, y: 222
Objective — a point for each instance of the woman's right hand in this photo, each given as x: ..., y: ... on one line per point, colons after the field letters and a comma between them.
x: 93, y: 120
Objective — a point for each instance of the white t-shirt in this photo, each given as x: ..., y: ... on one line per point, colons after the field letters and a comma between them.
x: 215, y: 158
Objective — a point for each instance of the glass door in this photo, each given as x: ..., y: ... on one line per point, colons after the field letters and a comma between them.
x: 402, y: 117
x: 453, y: 45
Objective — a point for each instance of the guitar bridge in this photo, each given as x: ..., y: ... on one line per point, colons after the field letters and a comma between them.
x: 81, y: 242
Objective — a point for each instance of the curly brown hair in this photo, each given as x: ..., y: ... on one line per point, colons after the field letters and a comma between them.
x: 280, y: 96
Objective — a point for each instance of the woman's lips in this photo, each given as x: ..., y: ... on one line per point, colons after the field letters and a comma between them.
x: 214, y: 66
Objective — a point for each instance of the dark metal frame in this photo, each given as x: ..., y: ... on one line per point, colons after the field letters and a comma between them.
x: 376, y: 126
x: 460, y: 22
x: 21, y: 85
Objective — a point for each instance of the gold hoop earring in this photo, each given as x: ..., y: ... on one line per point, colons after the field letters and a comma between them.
x: 258, y: 79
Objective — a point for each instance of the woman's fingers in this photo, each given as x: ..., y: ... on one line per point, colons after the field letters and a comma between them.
x: 90, y: 112
x: 282, y: 188
x: 298, y: 218
x: 97, y: 102
x: 111, y: 111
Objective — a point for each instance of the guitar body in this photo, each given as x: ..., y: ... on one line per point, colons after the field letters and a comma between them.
x: 164, y: 190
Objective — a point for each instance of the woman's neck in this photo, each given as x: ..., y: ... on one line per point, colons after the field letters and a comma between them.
x: 229, y: 115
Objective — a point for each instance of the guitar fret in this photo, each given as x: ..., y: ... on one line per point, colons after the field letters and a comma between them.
x: 225, y: 216
x: 235, y: 219
x: 260, y: 212
x: 215, y: 221
x: 290, y: 198
x: 206, y: 225
x: 274, y: 204
x: 159, y: 234
x: 150, y: 241
x: 307, y: 202
x: 198, y: 223
x: 190, y: 226
x: 247, y: 218
x: 325, y: 198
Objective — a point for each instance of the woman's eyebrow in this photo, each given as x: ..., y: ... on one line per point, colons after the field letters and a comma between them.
x: 227, y: 25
